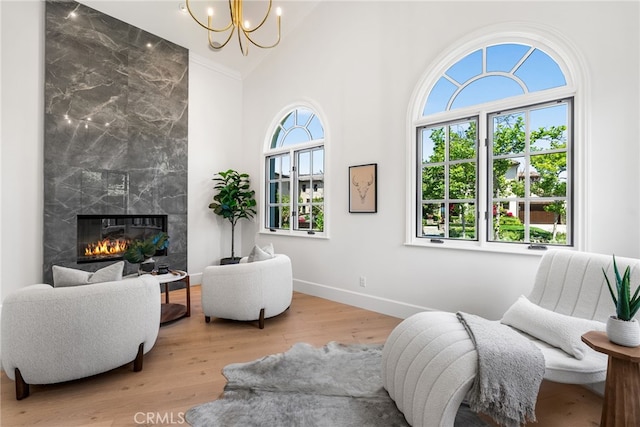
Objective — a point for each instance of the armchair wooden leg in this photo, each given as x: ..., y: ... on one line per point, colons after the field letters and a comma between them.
x: 261, y: 319
x: 137, y: 363
x: 22, y: 388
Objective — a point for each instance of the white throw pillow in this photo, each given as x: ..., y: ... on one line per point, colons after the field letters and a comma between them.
x: 553, y: 328
x: 64, y: 276
x: 261, y: 254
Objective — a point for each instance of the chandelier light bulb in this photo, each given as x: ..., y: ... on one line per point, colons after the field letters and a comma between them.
x: 279, y: 11
x: 247, y: 24
x: 210, y: 11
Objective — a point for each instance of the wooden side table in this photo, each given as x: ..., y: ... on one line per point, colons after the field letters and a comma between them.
x: 172, y: 311
x: 621, y: 406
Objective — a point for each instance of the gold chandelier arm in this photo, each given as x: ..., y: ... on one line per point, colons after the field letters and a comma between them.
x: 222, y: 30
x: 244, y: 49
x: 207, y: 26
x: 219, y: 46
x: 248, y: 36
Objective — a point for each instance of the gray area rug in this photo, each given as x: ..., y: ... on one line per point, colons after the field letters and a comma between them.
x: 334, y: 386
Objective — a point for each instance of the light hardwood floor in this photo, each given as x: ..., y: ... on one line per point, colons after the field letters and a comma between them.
x: 184, y: 370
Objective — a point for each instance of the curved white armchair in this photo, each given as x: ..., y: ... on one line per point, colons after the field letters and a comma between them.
x: 51, y: 335
x: 247, y: 291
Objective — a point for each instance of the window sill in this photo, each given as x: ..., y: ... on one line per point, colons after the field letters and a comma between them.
x: 297, y: 234
x: 515, y: 249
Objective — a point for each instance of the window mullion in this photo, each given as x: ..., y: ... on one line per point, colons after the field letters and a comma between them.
x: 447, y: 194
x: 527, y: 176
x: 295, y: 190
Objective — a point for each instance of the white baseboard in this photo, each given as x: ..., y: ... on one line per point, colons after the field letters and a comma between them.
x: 195, y: 279
x: 368, y: 302
x: 356, y: 299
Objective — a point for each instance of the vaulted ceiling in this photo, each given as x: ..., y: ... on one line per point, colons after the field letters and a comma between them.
x: 165, y: 19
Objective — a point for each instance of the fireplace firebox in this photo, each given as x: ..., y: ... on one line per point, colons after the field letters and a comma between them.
x: 106, y: 237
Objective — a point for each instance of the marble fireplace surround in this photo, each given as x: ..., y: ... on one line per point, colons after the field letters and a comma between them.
x: 115, y: 137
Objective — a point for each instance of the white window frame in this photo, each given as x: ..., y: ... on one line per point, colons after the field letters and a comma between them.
x: 293, y: 150
x: 573, y: 67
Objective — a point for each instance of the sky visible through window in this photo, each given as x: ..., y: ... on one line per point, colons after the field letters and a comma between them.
x: 299, y: 126
x: 493, y: 73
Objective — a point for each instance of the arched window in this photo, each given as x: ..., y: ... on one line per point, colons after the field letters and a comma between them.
x: 494, y: 150
x: 295, y: 190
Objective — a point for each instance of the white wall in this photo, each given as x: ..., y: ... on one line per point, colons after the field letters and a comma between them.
x: 1, y: 85
x: 21, y: 143
x: 361, y: 66
x: 215, y: 130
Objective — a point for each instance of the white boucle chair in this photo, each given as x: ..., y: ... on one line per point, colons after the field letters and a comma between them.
x: 247, y: 291
x: 429, y: 361
x: 51, y: 335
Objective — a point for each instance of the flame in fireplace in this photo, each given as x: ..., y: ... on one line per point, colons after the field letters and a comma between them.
x: 106, y: 247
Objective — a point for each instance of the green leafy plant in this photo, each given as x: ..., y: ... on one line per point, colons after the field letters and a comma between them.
x: 626, y: 305
x: 234, y: 200
x: 139, y: 250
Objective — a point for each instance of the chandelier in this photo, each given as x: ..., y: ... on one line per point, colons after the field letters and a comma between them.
x: 243, y: 27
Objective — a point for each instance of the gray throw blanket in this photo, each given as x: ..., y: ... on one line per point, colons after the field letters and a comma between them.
x: 510, y: 370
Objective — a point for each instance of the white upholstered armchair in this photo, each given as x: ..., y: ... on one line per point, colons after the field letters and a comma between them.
x: 51, y: 335
x: 247, y: 291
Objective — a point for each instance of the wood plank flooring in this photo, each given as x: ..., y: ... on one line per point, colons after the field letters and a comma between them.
x: 184, y: 370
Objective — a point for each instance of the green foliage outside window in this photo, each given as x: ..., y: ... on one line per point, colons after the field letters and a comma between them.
x: 547, y: 177
x: 453, y: 158
x: 316, y: 217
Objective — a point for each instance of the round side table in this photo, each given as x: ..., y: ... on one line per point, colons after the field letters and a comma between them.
x: 621, y: 406
x: 172, y: 311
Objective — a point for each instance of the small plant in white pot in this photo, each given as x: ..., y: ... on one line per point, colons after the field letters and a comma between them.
x: 622, y: 328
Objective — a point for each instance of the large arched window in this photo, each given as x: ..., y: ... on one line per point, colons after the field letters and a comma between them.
x: 495, y: 148
x: 295, y: 190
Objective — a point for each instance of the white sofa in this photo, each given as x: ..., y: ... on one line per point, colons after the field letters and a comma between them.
x: 429, y: 361
x: 51, y: 335
x: 249, y: 290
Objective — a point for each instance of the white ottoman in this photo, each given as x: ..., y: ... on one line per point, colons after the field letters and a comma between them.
x: 428, y: 365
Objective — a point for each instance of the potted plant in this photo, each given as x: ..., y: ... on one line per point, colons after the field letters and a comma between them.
x: 234, y: 200
x: 142, y: 251
x: 622, y: 328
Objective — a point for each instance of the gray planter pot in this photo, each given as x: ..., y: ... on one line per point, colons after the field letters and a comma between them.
x: 623, y: 332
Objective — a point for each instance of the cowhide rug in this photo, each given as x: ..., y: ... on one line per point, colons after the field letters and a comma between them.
x: 334, y: 386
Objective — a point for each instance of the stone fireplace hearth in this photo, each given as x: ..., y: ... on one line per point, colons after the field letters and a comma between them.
x: 116, y: 102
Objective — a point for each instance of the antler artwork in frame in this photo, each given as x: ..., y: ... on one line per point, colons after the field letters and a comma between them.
x: 363, y: 188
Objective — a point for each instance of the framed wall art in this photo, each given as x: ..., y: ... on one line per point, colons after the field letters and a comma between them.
x: 363, y: 188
